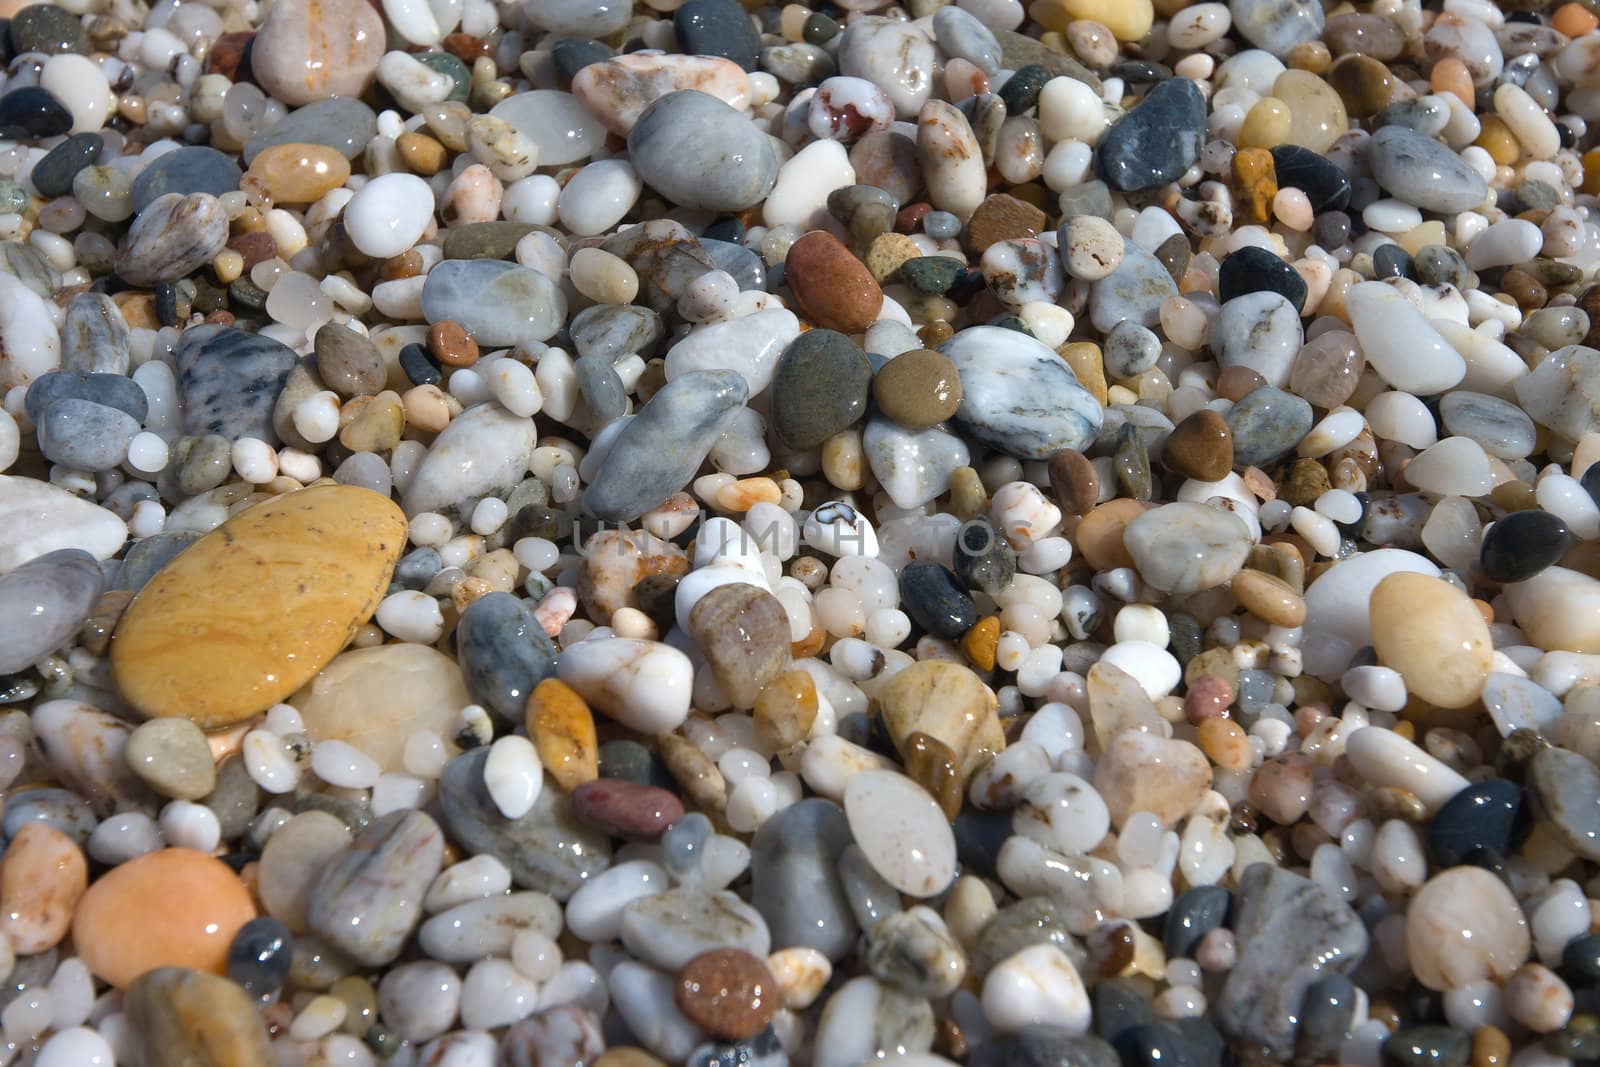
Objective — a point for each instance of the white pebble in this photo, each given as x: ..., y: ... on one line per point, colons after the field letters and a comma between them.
x: 342, y: 764
x: 513, y: 775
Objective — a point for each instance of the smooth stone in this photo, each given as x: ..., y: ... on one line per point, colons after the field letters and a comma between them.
x: 1563, y: 391
x: 717, y: 28
x: 669, y: 929
x: 1325, y: 185
x: 483, y: 452
x: 833, y: 288
x: 1465, y: 926
x: 173, y: 907
x: 42, y: 604
x: 1517, y: 703
x: 898, y: 58
x: 1428, y: 1046
x: 229, y: 381
x: 295, y: 857
x: 44, y: 875
x: 309, y: 50
x: 94, y: 338
x: 794, y: 864
x: 1192, y: 916
x: 743, y: 632
x: 347, y: 362
x: 728, y: 993
x: 486, y: 240
x: 260, y: 956
x: 1431, y: 633
x: 172, y: 757
x: 1290, y: 932
x: 662, y: 447
x: 1489, y: 814
x: 504, y: 652
x: 982, y: 558
x: 1276, y: 26
x: 1200, y: 447
x: 1503, y: 429
x: 42, y: 518
x: 905, y: 836
x: 736, y: 260
x: 46, y: 28
x: 177, y: 649
x: 819, y: 387
x: 86, y: 436
x: 192, y: 169
x: 110, y: 390
x: 645, y: 685
x: 1254, y: 270
x: 1399, y: 343
x: 1326, y: 1016
x: 342, y: 123
x: 1037, y: 985
x: 633, y: 811
x: 1337, y: 602
x: 181, y: 1017
x: 1424, y: 172
x: 33, y: 111
x: 1266, y: 424
x: 554, y: 121
x: 1135, y: 290
x: 1031, y: 921
x: 932, y: 275
x: 376, y: 698
x: 1566, y: 790
x: 1187, y: 547
x: 52, y: 176
x: 1157, y: 140
x: 618, y: 89
x: 1259, y: 331
x: 87, y: 749
x: 368, y: 899
x: 564, y: 1033
x: 912, y: 466
x: 476, y: 929
x: 147, y: 556
x: 949, y: 703
x: 1018, y: 396
x: 173, y: 236
x: 546, y: 849
x: 1141, y: 772
x: 700, y: 153
x: 499, y: 304
x: 936, y: 600
x: 1522, y: 545
x: 751, y: 345
x: 615, y: 330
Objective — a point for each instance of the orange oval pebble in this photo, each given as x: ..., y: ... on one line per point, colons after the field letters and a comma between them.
x: 172, y: 908
x: 1574, y: 20
x: 299, y: 173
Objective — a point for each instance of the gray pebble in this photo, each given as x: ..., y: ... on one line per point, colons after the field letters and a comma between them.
x: 42, y: 604
x: 369, y: 899
x: 1503, y: 429
x: 499, y: 304
x: 697, y: 151
x: 1261, y: 331
x: 794, y: 862
x: 229, y: 380
x: 504, y: 653
x: 1423, y: 172
x: 112, y: 390
x: 1266, y: 424
x: 601, y: 387
x: 1566, y: 787
x: 1130, y: 349
x: 961, y: 35
x: 94, y: 337
x: 670, y: 929
x: 1018, y: 396
x: 342, y: 123
x: 1134, y: 291
x: 615, y: 330
x: 1276, y: 26
x: 192, y: 169
x: 171, y: 237
x: 85, y: 436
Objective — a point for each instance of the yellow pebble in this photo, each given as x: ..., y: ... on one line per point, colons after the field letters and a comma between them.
x: 1255, y: 183
x: 1086, y: 361
x: 979, y: 642
x: 1266, y: 124
x: 1225, y: 744
x: 562, y: 728
x: 1317, y: 114
x: 1591, y: 171
x: 1129, y: 20
x: 1497, y: 139
x: 746, y: 493
x: 228, y: 266
x: 785, y: 709
x: 299, y: 173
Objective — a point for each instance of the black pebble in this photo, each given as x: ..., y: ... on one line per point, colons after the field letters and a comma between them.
x: 1392, y: 261
x: 1194, y: 915
x: 1580, y: 960
x: 572, y: 54
x: 718, y: 28
x: 1591, y: 481
x: 1325, y: 185
x: 1326, y: 1014
x: 260, y: 956
x: 420, y: 368
x: 1255, y: 270
x: 1488, y: 814
x: 54, y: 173
x: 934, y: 599
x: 32, y: 111
x: 1021, y: 90
x: 1523, y: 544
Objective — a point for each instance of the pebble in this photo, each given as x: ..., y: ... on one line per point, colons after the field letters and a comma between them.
x: 727, y: 992
x: 43, y: 602
x: 1433, y: 635
x: 375, y: 699
x: 503, y: 652
x: 690, y: 125
x: 795, y: 880
x: 1018, y: 396
x: 341, y: 123
x: 1157, y: 140
x: 259, y: 957
x: 819, y: 388
x: 743, y: 633
x: 1186, y: 547
x: 1489, y: 814
x: 172, y: 757
x: 195, y: 169
x: 626, y: 809
x: 834, y: 289
x: 1423, y: 172
x: 617, y: 90
x: 717, y: 28
x: 229, y: 381
x: 1141, y: 773
x: 1567, y: 788
x: 1464, y: 926
x: 913, y: 466
x: 41, y: 882
x: 300, y: 611
x: 1135, y: 290
x: 170, y: 908
x: 180, y: 1014
x: 670, y: 929
x: 482, y: 452
x: 1037, y: 985
x: 499, y: 304
x: 1259, y: 331
x: 305, y: 52
x: 173, y: 236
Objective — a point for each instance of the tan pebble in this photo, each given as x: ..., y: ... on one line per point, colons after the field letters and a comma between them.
x: 744, y: 494
x: 887, y: 252
x: 299, y: 173
x: 785, y: 709
x: 426, y: 407
x: 1465, y: 926
x: 1143, y: 772
x: 1490, y: 1045
x: 376, y: 698
x: 185, y: 1018
x: 1281, y: 788
x: 918, y: 389
x: 694, y: 772
x: 1088, y: 363
x: 1094, y: 247
x: 309, y: 50
x: 1099, y: 536
x: 1269, y: 599
x: 1200, y: 447
x: 801, y: 974
x: 948, y: 702
x: 41, y: 880
x: 930, y: 763
x: 1431, y: 633
x: 1226, y: 744
x: 627, y: 1056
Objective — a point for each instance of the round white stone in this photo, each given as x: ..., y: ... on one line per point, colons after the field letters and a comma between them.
x: 388, y: 214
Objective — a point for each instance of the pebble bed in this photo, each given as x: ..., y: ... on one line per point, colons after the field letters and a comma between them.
x: 572, y: 532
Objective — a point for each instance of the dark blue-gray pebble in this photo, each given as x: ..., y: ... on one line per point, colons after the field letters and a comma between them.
x: 979, y: 838
x: 1156, y: 141
x: 420, y: 368
x: 261, y: 955
x: 572, y: 54
x: 60, y: 809
x: 1194, y: 915
x: 1522, y: 544
x: 1021, y: 91
x: 229, y: 380
x: 1580, y: 960
x: 47, y: 28
x: 629, y: 761
x: 794, y: 864
x: 32, y: 111
x: 112, y: 390
x: 819, y: 387
x: 1326, y: 1015
x: 1428, y: 1046
x: 932, y: 274
x: 1325, y: 185
x: 84, y: 435
x: 1255, y: 270
x: 1266, y: 424
x: 718, y: 28
x: 148, y: 555
x: 53, y: 174
x: 1391, y: 261
x: 195, y: 169
x: 935, y: 600
x: 504, y: 653
x: 417, y: 568
x: 1043, y: 1045
x: 983, y: 559
x: 601, y: 387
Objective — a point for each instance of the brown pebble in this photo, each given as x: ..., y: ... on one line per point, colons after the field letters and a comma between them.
x: 786, y: 709
x: 932, y: 764
x: 228, y: 56
x: 1200, y: 447
x: 832, y: 287
x: 918, y: 389
x: 1269, y: 599
x: 1002, y: 217
x: 1364, y: 84
x: 1074, y: 481
x: 1099, y: 536
x: 1235, y: 383
x: 450, y: 345
x: 1490, y: 1047
x: 1307, y: 480
x: 909, y: 219
x: 626, y: 809
x: 407, y: 264
x: 95, y: 633
x: 465, y: 46
x: 253, y: 247
x: 694, y: 772
x: 1255, y: 183
x: 421, y: 153
x: 728, y: 993
x: 627, y: 1056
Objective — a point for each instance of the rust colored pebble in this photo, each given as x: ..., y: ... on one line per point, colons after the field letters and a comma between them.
x: 229, y: 56
x: 1200, y: 447
x: 833, y: 287
x: 255, y: 247
x: 910, y: 217
x: 407, y: 264
x: 1208, y: 698
x: 465, y: 46
x: 449, y: 343
x: 626, y: 809
x: 727, y: 992
x: 1074, y: 482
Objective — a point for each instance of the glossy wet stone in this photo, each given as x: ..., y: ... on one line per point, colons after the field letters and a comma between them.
x: 1194, y: 915
x: 1428, y: 1046
x: 819, y: 388
x: 935, y: 600
x: 1326, y: 1016
x: 43, y: 602
x: 983, y: 559
x: 1488, y: 814
x: 1157, y: 141
x: 504, y: 653
x: 1018, y: 396
x: 700, y: 152
x: 1254, y: 270
x: 194, y: 169
x: 1325, y: 185
x: 342, y: 123
x: 229, y: 380
x: 1266, y: 424
x: 1421, y: 171
x: 794, y: 863
x: 260, y: 956
x: 499, y: 304
x: 1566, y: 787
x: 188, y: 1018
x: 717, y: 28
x: 33, y: 112
x: 53, y: 174
x: 1522, y: 544
x: 629, y: 810
x: 368, y: 899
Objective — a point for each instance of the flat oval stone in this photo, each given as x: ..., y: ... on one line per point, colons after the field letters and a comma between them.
x: 718, y: 28
x: 376, y: 698
x: 172, y: 907
x: 499, y: 304
x: 670, y: 929
x: 229, y: 380
x: 41, y: 881
x: 368, y: 899
x: 662, y: 447
x: 697, y: 151
x: 935, y: 599
x: 1018, y: 396
x: 504, y: 653
x: 1567, y: 788
x: 309, y: 50
x: 905, y: 836
x: 1266, y: 424
x: 727, y: 992
x: 749, y: 344
x: 83, y: 435
x: 819, y: 388
x: 52, y: 175
x: 192, y: 169
x: 42, y: 604
x: 1259, y: 331
x: 625, y: 809
x: 1252, y: 269
x: 1187, y: 547
x: 177, y: 1015
x: 1325, y: 185
x: 342, y: 123
x: 483, y: 452
x: 1431, y: 633
x: 1156, y: 141
x: 1503, y: 429
x: 1423, y: 172
x: 253, y: 610
x: 112, y: 390
x: 173, y: 236
x: 547, y: 849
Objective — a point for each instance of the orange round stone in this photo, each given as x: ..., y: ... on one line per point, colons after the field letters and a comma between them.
x: 299, y: 173
x: 171, y: 908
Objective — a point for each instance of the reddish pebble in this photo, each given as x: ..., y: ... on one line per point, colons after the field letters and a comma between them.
x: 465, y: 47
x: 1208, y: 698
x: 255, y: 247
x: 626, y: 809
x: 728, y: 993
x: 41, y: 880
x: 229, y: 56
x: 833, y: 287
x: 910, y: 217
x: 450, y: 344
